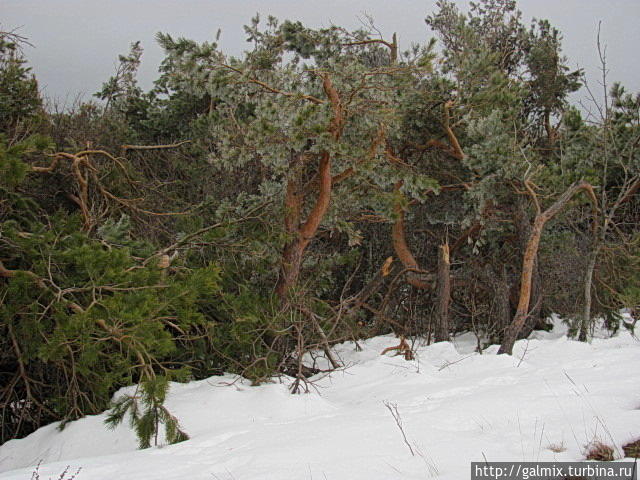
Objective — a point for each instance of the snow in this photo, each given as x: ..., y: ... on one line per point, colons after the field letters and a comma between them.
x: 546, y: 402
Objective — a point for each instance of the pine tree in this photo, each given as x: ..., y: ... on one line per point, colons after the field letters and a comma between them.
x: 20, y: 100
x: 147, y: 414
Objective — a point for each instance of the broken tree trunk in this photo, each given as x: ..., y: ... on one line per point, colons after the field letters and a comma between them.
x: 444, y: 294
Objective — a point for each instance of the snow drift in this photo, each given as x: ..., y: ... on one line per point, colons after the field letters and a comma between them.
x: 547, y: 402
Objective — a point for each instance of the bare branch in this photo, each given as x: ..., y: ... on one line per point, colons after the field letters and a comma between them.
x: 154, y: 147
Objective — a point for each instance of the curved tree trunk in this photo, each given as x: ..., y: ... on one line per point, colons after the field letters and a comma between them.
x: 523, y: 227
x: 398, y: 235
x: 302, y: 234
x: 528, y: 261
x: 403, y: 251
x: 293, y: 252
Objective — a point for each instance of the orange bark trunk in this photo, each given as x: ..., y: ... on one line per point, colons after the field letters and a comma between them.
x: 528, y: 261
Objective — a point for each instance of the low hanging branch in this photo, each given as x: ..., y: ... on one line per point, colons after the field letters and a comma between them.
x: 270, y: 89
x: 83, y: 170
x: 188, y: 239
x: 7, y: 273
x: 628, y: 194
x: 531, y: 251
x: 154, y: 147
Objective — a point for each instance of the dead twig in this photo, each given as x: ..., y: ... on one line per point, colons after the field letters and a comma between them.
x: 395, y: 413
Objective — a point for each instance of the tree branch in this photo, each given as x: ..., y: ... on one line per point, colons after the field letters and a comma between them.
x: 401, y: 247
x: 308, y: 230
x: 154, y: 147
x: 271, y: 89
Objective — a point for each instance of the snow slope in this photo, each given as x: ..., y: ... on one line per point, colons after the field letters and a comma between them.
x: 455, y: 407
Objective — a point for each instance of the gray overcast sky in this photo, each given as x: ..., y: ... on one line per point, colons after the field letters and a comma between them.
x: 76, y: 42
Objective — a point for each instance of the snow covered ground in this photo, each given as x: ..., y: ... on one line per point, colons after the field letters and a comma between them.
x: 544, y: 403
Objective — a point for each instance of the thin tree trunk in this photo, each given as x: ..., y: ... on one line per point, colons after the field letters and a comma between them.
x: 444, y: 293
x: 503, y: 303
x: 631, y: 188
x: 523, y: 227
x: 536, y: 300
x: 588, y: 282
x: 528, y: 261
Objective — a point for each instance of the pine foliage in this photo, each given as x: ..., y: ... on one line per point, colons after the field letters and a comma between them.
x: 251, y: 211
x: 147, y: 414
